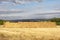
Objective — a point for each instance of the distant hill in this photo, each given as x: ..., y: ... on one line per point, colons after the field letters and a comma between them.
x: 57, y: 20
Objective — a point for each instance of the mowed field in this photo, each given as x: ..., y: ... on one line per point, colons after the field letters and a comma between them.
x: 58, y: 26
x: 29, y: 33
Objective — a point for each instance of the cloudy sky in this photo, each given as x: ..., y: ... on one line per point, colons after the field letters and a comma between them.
x: 11, y: 10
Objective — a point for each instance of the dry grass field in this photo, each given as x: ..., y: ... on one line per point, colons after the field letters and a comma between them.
x: 29, y: 33
x: 58, y: 26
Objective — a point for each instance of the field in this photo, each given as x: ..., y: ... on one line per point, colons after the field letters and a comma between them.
x: 58, y: 26
x: 29, y: 33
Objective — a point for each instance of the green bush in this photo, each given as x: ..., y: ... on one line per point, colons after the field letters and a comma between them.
x: 57, y: 20
x: 58, y: 23
x: 1, y: 22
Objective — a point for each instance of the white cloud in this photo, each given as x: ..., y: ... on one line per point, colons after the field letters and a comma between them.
x: 25, y: 13
x: 20, y: 1
x: 31, y: 15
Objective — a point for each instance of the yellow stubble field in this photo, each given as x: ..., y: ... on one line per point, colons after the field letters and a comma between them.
x: 29, y: 33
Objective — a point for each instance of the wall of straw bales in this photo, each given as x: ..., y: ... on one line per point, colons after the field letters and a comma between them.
x: 30, y: 24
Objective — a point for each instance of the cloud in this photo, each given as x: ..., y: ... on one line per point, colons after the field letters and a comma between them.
x: 20, y: 1
x: 39, y: 11
x: 31, y: 15
x: 11, y: 17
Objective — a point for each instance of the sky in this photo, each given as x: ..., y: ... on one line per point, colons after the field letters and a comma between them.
x: 29, y: 10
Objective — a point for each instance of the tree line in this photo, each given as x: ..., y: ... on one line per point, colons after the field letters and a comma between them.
x: 57, y: 20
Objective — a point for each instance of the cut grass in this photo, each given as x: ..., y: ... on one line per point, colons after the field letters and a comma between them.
x: 29, y: 33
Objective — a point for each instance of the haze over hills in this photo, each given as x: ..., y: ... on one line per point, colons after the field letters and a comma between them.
x: 33, y: 16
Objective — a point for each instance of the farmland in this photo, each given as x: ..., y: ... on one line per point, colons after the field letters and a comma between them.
x: 29, y: 33
x: 45, y: 30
